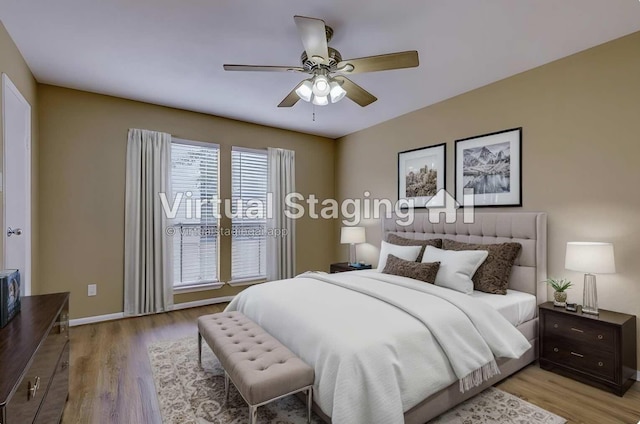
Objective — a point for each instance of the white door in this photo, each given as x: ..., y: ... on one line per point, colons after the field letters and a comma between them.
x: 16, y: 122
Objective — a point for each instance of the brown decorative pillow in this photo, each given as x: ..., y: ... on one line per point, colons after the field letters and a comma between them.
x: 417, y: 270
x: 401, y: 241
x: 493, y: 275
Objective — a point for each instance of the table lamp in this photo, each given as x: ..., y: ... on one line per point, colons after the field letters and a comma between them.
x: 352, y: 236
x: 590, y: 258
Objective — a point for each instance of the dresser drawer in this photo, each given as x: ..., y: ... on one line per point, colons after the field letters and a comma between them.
x: 24, y: 404
x: 53, y: 405
x: 591, y: 361
x: 580, y: 330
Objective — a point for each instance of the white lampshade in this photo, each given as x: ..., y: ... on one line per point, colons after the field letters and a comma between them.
x: 321, y: 87
x: 320, y: 100
x: 337, y: 92
x: 352, y: 235
x: 590, y: 257
x: 305, y: 90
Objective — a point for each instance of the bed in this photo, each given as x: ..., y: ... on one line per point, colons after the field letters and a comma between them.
x: 318, y: 322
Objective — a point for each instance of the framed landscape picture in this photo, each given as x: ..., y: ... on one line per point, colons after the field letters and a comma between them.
x: 491, y: 166
x: 421, y: 174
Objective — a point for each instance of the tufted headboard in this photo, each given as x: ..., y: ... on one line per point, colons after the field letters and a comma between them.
x: 527, y: 228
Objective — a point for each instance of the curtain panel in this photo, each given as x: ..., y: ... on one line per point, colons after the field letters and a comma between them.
x: 281, y: 249
x: 148, y: 274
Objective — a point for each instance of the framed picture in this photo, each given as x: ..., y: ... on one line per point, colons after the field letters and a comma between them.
x: 421, y: 174
x: 490, y: 166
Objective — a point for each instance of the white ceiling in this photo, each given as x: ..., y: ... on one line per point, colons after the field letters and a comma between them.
x: 170, y: 52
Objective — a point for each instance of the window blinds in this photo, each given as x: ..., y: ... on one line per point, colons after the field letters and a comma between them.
x: 249, y: 197
x: 195, y: 178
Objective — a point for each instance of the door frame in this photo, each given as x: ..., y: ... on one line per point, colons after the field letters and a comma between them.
x: 9, y: 86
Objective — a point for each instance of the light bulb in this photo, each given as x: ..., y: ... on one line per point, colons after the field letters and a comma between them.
x: 320, y: 100
x: 305, y: 90
x: 321, y: 86
x: 337, y: 92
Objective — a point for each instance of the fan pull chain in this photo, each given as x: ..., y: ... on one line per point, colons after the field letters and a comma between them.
x: 313, y: 113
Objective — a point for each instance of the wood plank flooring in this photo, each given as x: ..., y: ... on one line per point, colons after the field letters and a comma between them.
x: 111, y: 382
x: 110, y: 374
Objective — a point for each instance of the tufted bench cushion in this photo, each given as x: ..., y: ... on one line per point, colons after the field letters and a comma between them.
x: 261, y: 367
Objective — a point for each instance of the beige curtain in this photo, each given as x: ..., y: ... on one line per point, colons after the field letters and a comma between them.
x: 281, y: 250
x: 148, y: 280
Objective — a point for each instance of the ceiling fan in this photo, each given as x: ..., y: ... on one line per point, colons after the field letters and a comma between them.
x: 328, y: 82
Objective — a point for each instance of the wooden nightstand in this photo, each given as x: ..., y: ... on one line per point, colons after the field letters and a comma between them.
x: 599, y: 350
x: 344, y: 267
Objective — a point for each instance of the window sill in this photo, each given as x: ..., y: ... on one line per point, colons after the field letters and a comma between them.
x: 246, y: 281
x: 197, y: 288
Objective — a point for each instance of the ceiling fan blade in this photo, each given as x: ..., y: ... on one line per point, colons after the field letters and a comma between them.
x: 292, y: 98
x: 382, y: 62
x: 355, y: 92
x: 314, y: 38
x: 263, y: 68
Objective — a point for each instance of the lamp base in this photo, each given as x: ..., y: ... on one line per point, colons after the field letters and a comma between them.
x: 352, y: 254
x: 590, y: 295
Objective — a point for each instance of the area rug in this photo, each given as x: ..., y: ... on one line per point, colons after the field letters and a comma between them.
x: 190, y: 394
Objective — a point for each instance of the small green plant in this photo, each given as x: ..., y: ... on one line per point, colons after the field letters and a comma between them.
x: 559, y: 285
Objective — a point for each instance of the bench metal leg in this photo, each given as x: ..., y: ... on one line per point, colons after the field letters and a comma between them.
x: 199, y: 349
x: 253, y: 414
x: 226, y: 388
x: 309, y: 403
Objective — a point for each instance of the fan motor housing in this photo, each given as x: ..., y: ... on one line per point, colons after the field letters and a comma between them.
x: 334, y: 58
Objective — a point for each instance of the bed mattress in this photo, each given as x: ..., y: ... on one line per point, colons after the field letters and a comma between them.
x: 517, y: 307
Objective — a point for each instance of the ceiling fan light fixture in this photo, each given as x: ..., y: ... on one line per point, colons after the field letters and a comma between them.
x: 305, y: 90
x: 320, y: 100
x: 337, y: 93
x: 321, y: 86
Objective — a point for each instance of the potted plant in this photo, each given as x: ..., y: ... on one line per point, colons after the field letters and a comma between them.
x: 560, y: 286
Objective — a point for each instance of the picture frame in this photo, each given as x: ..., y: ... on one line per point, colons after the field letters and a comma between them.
x: 491, y: 165
x: 431, y: 162
x: 10, y: 298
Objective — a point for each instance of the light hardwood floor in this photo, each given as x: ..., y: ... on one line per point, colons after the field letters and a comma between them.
x: 111, y: 380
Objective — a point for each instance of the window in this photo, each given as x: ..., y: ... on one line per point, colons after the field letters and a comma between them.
x: 194, y: 179
x: 249, y: 209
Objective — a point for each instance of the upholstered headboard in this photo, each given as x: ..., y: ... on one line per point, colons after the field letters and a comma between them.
x: 527, y: 228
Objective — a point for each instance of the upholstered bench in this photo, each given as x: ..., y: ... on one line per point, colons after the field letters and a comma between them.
x: 261, y: 368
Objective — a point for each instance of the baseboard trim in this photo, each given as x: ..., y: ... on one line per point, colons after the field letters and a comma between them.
x: 177, y: 306
x: 94, y: 319
x: 204, y: 302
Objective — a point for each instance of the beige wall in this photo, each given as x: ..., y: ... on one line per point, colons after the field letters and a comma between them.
x: 12, y: 63
x: 581, y: 146
x: 82, y: 180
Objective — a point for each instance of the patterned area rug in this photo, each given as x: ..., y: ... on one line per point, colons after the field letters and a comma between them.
x: 189, y: 394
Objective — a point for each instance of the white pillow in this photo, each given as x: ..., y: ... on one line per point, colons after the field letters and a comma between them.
x: 456, y: 267
x: 408, y: 253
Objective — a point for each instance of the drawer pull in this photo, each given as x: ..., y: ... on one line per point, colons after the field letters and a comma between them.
x: 33, y: 389
x: 600, y: 337
x: 600, y: 364
x: 555, y: 349
x: 577, y: 329
x: 577, y: 354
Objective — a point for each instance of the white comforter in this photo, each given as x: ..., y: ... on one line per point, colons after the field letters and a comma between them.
x: 379, y: 343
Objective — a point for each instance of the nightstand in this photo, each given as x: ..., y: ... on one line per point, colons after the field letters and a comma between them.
x: 344, y: 267
x: 599, y: 350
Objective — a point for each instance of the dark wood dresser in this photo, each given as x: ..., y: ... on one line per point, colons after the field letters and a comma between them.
x: 599, y: 350
x: 34, y: 355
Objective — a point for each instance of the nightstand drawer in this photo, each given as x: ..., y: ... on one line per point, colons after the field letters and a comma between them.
x: 581, y: 330
x: 594, y: 362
